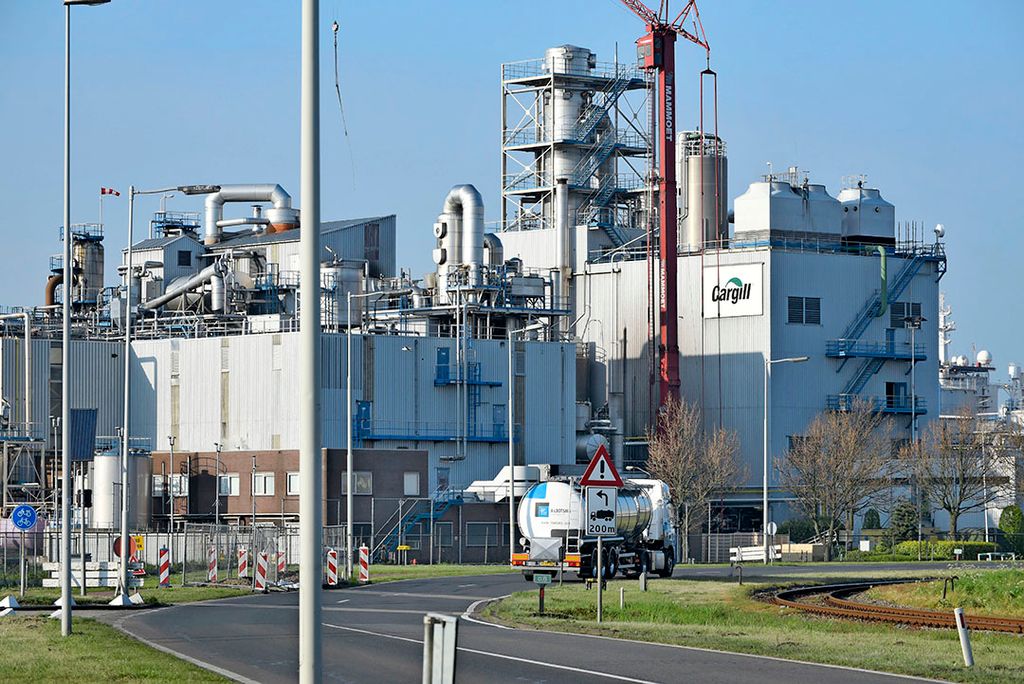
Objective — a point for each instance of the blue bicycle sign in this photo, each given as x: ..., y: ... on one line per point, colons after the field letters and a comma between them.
x: 24, y: 517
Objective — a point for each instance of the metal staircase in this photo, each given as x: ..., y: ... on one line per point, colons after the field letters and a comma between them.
x: 592, y: 115
x: 422, y: 510
x: 867, y: 313
x: 598, y: 154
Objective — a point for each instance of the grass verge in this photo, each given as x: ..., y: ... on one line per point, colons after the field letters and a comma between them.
x: 994, y: 592
x: 36, y: 652
x: 723, y: 616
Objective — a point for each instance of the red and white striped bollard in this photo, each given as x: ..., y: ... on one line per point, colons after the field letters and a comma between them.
x: 280, y: 564
x: 165, y: 567
x: 211, y: 564
x: 364, y: 565
x: 260, y: 584
x: 243, y: 562
x: 332, y: 568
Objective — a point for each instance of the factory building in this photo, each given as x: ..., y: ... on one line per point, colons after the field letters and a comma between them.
x: 801, y: 273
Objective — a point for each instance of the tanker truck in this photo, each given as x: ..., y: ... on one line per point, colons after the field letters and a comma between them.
x: 645, y: 538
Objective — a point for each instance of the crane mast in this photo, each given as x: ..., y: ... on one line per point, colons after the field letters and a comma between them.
x: 656, y: 51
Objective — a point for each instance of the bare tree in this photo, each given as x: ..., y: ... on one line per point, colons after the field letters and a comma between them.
x: 963, y: 464
x: 696, y: 464
x: 840, y: 465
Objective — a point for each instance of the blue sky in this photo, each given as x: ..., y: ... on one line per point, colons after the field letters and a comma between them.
x: 926, y: 98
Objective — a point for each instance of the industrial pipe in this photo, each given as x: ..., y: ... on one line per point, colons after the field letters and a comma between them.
x: 215, y: 269
x: 495, y: 252
x: 465, y: 201
x: 281, y: 217
x: 245, y: 221
x: 51, y: 288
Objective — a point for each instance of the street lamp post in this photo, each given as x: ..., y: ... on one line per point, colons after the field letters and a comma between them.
x: 767, y: 441
x: 349, y: 482
x: 65, y: 470
x: 914, y: 323
x: 216, y: 485
x: 170, y: 483
x: 511, y: 436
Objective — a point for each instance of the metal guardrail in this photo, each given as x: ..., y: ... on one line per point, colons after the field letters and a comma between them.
x: 891, y: 350
x: 901, y: 404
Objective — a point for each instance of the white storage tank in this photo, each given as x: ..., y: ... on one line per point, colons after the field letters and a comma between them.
x: 867, y: 217
x: 697, y: 166
x: 337, y: 279
x: 105, y: 478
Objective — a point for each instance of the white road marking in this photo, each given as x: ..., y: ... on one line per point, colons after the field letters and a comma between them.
x: 343, y: 601
x: 468, y: 614
x: 603, y: 675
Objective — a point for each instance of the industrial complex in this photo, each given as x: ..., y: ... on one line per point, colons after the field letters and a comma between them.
x: 561, y: 331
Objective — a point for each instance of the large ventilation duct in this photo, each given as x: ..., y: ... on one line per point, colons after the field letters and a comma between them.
x: 214, y: 274
x: 495, y: 251
x: 465, y: 202
x: 281, y: 216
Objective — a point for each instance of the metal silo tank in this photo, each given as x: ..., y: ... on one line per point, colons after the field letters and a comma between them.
x: 106, y: 490
x: 88, y: 256
x: 698, y: 166
x: 106, y: 478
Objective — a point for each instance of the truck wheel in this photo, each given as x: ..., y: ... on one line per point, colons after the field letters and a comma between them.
x: 612, y: 564
x: 643, y: 563
x: 670, y: 563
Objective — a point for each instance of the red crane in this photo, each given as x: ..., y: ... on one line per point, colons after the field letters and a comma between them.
x: 656, y: 51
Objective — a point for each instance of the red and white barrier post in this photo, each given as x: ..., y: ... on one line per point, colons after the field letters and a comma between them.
x: 260, y: 583
x: 280, y: 564
x: 332, y: 568
x: 243, y: 562
x: 165, y: 567
x: 211, y: 564
x: 364, y: 565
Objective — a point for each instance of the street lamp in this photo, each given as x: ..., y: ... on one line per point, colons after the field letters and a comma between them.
x: 349, y: 506
x: 216, y: 487
x: 640, y: 470
x: 122, y: 598
x: 511, y: 437
x: 914, y: 323
x: 767, y: 440
x: 65, y: 470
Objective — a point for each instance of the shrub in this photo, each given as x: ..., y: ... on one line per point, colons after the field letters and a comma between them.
x: 1011, y: 523
x: 943, y: 550
x: 872, y: 521
x: 903, y: 521
x: 800, y: 530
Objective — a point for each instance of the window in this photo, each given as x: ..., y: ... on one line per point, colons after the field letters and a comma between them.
x: 896, y: 395
x: 484, y: 534
x: 795, y: 441
x: 159, y: 485
x: 901, y: 310
x: 411, y: 481
x: 179, y: 485
x: 804, y: 310
x: 228, y: 484
x: 363, y: 482
x: 443, y: 532
x: 263, y: 484
x: 293, y: 484
x: 184, y: 257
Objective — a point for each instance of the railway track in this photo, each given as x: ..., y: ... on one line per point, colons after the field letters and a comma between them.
x: 835, y: 602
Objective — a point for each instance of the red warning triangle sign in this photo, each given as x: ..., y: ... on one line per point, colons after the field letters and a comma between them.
x: 601, y: 472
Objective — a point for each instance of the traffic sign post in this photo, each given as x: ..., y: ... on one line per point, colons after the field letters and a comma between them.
x: 24, y: 518
x: 541, y: 580
x: 601, y: 482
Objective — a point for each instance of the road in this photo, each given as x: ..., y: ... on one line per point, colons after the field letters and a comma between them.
x: 373, y: 634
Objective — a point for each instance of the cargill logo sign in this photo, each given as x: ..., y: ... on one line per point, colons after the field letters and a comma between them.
x: 734, y: 291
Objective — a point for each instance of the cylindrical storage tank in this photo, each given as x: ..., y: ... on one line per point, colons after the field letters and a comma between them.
x: 1013, y: 371
x: 106, y: 490
x: 88, y: 256
x: 702, y: 220
x: 587, y: 445
x: 550, y: 509
x: 582, y: 415
x: 337, y: 279
x: 867, y: 218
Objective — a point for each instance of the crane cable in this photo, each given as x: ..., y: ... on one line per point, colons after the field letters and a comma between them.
x: 341, y: 104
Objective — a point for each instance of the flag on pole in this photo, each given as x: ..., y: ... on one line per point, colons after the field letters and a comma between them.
x: 109, y: 191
